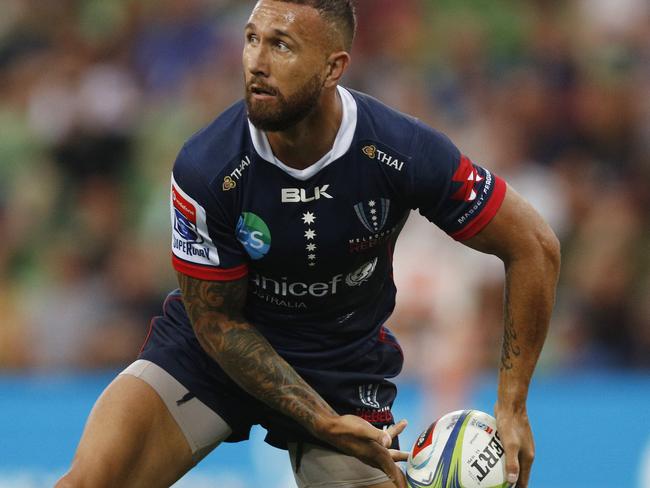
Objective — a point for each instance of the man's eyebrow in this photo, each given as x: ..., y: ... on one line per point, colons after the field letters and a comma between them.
x: 276, y: 31
x: 282, y: 33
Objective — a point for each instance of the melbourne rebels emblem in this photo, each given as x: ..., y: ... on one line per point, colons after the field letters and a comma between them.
x: 185, y: 218
x: 373, y: 214
x: 368, y: 395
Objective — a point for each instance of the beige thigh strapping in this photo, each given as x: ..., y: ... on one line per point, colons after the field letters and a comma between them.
x: 204, y: 430
x: 324, y: 468
x: 202, y: 427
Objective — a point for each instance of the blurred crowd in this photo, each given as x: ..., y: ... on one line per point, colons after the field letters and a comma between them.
x: 97, y: 96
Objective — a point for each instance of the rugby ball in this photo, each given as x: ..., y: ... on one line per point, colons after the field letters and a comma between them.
x: 459, y: 450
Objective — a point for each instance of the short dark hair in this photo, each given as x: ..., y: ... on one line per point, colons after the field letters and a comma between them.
x: 341, y: 13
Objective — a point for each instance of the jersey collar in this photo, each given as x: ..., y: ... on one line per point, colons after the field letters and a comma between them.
x: 341, y: 144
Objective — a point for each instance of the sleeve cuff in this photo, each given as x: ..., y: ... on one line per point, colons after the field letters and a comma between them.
x: 208, y: 273
x: 487, y: 214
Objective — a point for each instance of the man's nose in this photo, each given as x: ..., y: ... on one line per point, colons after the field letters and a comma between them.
x: 258, y: 62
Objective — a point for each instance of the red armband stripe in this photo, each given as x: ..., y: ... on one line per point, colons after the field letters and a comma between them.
x: 209, y: 273
x: 486, y: 215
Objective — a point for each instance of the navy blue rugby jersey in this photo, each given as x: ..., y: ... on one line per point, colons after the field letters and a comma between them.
x: 317, y: 244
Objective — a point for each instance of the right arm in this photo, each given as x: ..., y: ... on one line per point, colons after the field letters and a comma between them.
x: 215, y: 309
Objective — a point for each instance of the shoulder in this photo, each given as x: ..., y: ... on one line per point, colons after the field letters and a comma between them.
x: 400, y: 131
x: 213, y: 147
x: 399, y: 140
x: 377, y: 119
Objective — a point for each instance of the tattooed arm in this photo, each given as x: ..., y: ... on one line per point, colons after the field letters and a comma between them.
x: 215, y: 310
x: 531, y: 255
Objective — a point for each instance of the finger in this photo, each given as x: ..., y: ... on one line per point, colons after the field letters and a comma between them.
x: 385, y: 439
x: 396, y: 476
x: 388, y: 466
x: 398, y: 455
x: 364, y: 430
x: 396, y: 429
x: 526, y: 463
x: 400, y: 481
x: 512, y: 463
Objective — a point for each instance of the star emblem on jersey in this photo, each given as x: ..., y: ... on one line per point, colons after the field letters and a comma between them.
x: 467, y: 175
x: 308, y: 218
x: 373, y: 214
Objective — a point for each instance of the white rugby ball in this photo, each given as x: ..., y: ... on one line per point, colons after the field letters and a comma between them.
x: 459, y: 450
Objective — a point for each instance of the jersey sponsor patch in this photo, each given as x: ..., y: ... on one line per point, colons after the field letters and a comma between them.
x: 384, y: 155
x: 254, y: 235
x: 361, y: 275
x: 190, y: 239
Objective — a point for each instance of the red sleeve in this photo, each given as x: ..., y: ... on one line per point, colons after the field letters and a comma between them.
x: 486, y: 214
x: 209, y: 273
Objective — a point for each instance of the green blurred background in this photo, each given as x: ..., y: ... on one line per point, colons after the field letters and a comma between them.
x: 96, y: 98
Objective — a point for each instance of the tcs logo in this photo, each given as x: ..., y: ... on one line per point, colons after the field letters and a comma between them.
x: 254, y: 235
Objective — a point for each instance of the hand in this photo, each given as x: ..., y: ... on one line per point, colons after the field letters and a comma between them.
x: 517, y: 439
x: 358, y: 438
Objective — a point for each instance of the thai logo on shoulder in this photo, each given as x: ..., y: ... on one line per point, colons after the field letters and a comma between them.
x: 229, y: 183
x: 373, y: 214
x: 373, y: 152
x: 370, y: 151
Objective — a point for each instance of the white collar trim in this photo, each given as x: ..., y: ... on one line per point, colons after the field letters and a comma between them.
x: 341, y: 145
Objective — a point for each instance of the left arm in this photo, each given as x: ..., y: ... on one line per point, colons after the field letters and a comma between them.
x: 530, y: 252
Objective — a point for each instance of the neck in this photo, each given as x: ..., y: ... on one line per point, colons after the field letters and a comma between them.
x: 310, y: 139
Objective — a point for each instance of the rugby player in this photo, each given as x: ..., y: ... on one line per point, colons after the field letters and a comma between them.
x: 285, y: 211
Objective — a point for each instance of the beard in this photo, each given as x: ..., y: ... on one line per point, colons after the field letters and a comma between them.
x: 282, y: 113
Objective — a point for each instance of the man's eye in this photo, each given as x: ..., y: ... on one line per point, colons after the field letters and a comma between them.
x: 282, y: 47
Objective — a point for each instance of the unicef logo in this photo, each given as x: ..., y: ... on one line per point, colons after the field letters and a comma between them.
x: 254, y: 235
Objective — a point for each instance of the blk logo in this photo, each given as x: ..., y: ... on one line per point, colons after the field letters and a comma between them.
x: 300, y: 195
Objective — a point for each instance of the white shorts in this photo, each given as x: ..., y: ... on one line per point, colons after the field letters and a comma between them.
x: 313, y: 466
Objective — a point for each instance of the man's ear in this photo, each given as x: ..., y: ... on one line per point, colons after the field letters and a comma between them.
x: 337, y: 64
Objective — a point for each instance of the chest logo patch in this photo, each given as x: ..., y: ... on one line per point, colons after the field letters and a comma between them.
x: 300, y: 195
x: 362, y: 274
x: 373, y: 214
x: 254, y: 235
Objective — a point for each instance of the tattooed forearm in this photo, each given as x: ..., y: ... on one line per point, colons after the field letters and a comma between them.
x: 510, y: 348
x: 215, y: 310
